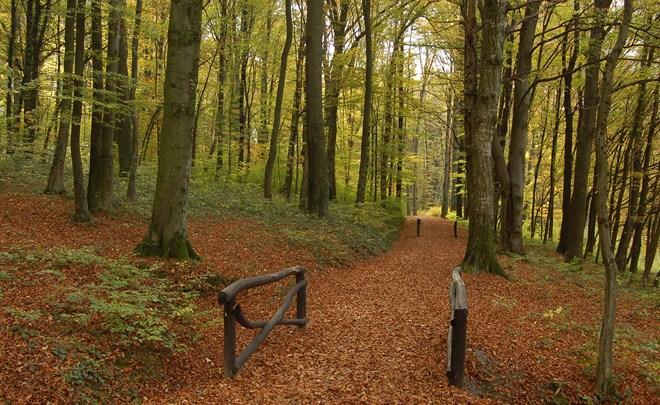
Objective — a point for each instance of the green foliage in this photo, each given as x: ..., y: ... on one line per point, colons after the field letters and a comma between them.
x: 25, y: 315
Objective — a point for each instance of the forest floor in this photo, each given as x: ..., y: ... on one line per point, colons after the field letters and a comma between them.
x: 377, y: 330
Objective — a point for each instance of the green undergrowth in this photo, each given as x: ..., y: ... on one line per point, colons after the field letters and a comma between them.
x: 346, y: 233
x: 630, y: 342
x: 105, y: 320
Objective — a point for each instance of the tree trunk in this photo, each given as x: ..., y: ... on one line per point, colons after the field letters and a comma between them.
x: 131, y: 192
x: 80, y: 196
x: 124, y: 132
x: 9, y: 106
x: 317, y: 178
x: 292, y: 155
x: 99, y: 145
x: 366, y: 109
x: 636, y: 175
x: 220, y: 118
x: 274, y: 136
x: 586, y: 133
x: 167, y: 234
x: 567, y: 73
x: 550, y: 219
x: 110, y: 121
x: 480, y: 127
x: 338, y: 19
x: 640, y: 217
x: 511, y: 238
x: 55, y: 183
x: 243, y: 136
x: 604, y: 377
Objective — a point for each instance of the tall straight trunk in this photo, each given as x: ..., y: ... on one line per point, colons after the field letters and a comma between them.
x: 637, y: 174
x: 274, y: 136
x: 292, y: 155
x: 317, y: 178
x: 458, y: 153
x: 220, y: 117
x: 167, y: 234
x: 511, y: 238
x: 104, y: 200
x: 480, y: 126
x: 567, y: 73
x: 124, y: 131
x: 131, y: 192
x: 55, y: 183
x: 264, y: 99
x: 586, y: 133
x: 616, y: 215
x: 338, y: 18
x: 243, y: 136
x: 388, y: 125
x: 366, y: 108
x: 604, y: 376
x: 80, y: 196
x: 9, y: 105
x: 550, y: 219
x: 640, y: 216
x: 446, y: 175
x: 401, y: 123
x: 98, y: 143
x: 591, y: 225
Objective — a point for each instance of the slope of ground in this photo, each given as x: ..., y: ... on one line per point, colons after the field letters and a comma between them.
x: 377, y: 331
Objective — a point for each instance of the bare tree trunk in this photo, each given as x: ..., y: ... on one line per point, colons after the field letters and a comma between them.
x: 636, y: 175
x: 604, y: 376
x: 586, y: 133
x: 98, y: 143
x: 55, y: 183
x: 80, y: 195
x: 567, y: 73
x: 274, y: 136
x: 9, y: 106
x: 292, y: 154
x: 366, y: 109
x: 511, y: 237
x: 480, y: 127
x: 167, y: 234
x: 550, y: 219
x: 220, y: 118
x: 131, y: 192
x: 124, y: 132
x: 317, y: 178
x: 640, y: 217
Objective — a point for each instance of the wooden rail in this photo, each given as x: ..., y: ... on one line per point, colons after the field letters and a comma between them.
x: 457, y: 329
x: 233, y: 314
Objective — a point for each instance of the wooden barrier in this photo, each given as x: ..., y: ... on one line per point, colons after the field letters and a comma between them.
x: 419, y: 227
x: 233, y: 314
x: 457, y: 336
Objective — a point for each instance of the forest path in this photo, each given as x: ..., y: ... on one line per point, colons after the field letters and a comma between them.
x: 377, y: 334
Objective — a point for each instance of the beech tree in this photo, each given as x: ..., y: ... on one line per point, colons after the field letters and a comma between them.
x: 167, y: 234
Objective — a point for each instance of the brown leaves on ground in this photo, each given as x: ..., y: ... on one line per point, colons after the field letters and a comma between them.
x: 377, y: 331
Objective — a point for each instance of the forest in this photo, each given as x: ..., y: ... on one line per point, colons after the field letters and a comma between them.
x: 154, y: 152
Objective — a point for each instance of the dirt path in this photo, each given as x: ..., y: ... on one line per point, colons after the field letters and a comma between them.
x: 377, y: 334
x: 377, y: 331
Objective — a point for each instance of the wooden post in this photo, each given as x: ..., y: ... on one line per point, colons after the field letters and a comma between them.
x: 230, y: 339
x: 301, y: 299
x: 419, y: 227
x: 457, y: 336
x: 455, y: 229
